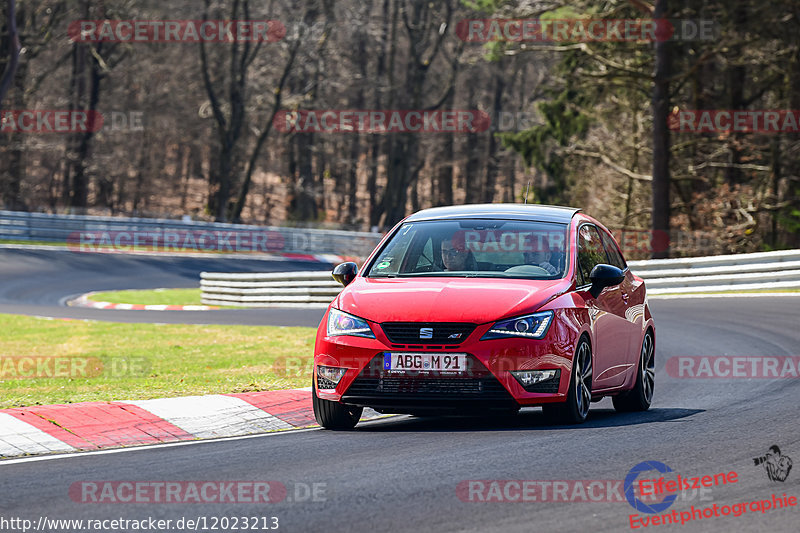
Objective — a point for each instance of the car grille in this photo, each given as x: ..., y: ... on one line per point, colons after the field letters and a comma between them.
x: 441, y: 332
x: 379, y: 389
x: 433, y: 387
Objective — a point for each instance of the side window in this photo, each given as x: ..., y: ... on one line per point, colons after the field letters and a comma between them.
x: 614, y: 255
x: 590, y: 252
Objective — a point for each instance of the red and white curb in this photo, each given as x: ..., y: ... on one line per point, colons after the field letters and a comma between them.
x: 85, y: 301
x: 97, y: 425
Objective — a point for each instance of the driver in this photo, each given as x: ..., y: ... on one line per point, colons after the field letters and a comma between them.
x: 455, y: 255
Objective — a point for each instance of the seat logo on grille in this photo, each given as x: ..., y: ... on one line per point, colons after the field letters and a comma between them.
x: 425, y: 333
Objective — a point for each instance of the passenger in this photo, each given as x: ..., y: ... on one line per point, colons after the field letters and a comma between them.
x: 455, y: 255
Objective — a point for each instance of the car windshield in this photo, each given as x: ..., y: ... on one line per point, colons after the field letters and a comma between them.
x: 475, y: 248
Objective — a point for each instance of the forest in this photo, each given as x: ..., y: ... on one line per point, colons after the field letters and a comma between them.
x: 660, y: 118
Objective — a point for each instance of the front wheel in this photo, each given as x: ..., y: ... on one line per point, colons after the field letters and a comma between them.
x: 576, y: 408
x: 641, y: 395
x: 334, y: 415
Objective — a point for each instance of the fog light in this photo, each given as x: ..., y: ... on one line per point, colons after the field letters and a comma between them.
x: 328, y: 376
x: 529, y: 378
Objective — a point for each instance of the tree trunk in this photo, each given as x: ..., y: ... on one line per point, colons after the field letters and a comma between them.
x: 661, y: 142
x: 13, y: 51
x: 303, y: 205
x: 85, y: 66
x: 444, y: 173
x: 736, y: 78
x: 492, y: 149
x: 14, y: 171
x: 472, y: 174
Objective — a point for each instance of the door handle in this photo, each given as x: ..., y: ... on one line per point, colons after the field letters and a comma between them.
x: 625, y: 297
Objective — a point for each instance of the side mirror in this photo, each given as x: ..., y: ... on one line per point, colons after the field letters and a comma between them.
x: 344, y: 273
x: 603, y: 276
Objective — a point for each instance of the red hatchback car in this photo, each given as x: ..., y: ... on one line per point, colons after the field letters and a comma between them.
x: 486, y: 308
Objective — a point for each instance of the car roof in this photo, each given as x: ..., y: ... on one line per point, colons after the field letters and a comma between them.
x: 533, y: 212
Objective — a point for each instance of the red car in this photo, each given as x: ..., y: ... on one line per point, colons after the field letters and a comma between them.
x: 486, y: 308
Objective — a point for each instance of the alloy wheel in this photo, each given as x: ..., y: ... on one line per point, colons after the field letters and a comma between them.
x: 648, y: 367
x: 583, y: 379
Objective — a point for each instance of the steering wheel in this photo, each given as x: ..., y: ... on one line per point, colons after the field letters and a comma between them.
x: 528, y: 270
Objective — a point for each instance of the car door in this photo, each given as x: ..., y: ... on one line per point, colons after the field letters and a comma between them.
x: 632, y: 292
x: 607, y: 311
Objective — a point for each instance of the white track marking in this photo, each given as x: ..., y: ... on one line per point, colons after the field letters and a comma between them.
x: 213, y: 416
x: 18, y: 437
x: 174, y: 444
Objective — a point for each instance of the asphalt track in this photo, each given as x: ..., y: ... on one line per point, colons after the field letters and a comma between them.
x: 401, y: 474
x: 39, y: 282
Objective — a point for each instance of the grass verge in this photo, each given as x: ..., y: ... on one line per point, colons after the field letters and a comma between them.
x: 33, y: 243
x: 46, y: 361
x: 150, y: 297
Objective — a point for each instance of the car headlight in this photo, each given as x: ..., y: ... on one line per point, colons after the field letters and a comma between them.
x: 533, y: 326
x: 341, y: 323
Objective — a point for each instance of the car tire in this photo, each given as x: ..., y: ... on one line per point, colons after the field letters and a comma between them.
x: 640, y: 396
x: 579, y: 395
x: 334, y: 415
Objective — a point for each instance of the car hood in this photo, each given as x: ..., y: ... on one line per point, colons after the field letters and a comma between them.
x: 436, y: 299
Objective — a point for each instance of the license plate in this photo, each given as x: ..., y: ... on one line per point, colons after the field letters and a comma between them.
x: 425, y: 362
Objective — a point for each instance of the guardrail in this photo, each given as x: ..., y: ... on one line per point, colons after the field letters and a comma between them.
x: 82, y: 232
x: 758, y: 271
x: 767, y: 270
x: 279, y: 289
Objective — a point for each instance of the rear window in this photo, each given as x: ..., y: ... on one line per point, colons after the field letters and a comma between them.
x: 475, y: 248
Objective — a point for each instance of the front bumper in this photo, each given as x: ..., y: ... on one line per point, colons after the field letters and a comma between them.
x: 486, y: 384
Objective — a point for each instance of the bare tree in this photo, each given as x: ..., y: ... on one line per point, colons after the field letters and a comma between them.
x: 13, y: 52
x: 661, y: 144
